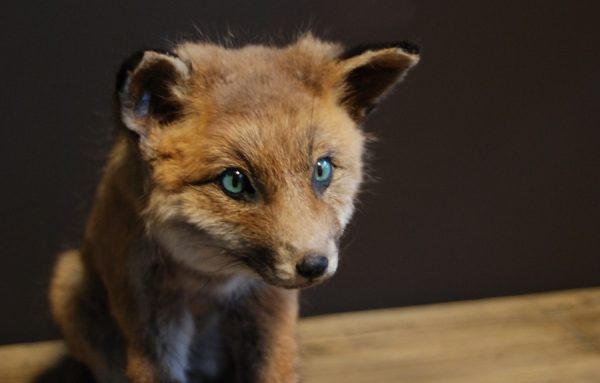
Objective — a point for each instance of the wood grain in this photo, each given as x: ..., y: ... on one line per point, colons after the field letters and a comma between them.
x: 549, y: 338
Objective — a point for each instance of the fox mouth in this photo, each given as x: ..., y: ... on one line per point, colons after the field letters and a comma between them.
x: 284, y: 275
x: 293, y: 283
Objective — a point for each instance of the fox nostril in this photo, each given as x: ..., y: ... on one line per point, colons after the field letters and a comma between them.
x: 312, y: 266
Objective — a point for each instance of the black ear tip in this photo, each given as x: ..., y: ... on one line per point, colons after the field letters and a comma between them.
x: 132, y: 62
x: 409, y: 47
x: 128, y: 65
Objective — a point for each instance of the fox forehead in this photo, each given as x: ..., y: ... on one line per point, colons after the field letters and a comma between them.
x: 266, y: 110
x: 254, y: 74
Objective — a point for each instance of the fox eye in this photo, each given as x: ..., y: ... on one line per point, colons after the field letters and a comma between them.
x: 235, y: 184
x: 322, y: 174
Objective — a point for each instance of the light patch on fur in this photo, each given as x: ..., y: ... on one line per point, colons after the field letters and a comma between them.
x: 345, y: 214
x: 332, y: 266
x: 285, y: 271
x: 333, y: 258
x: 162, y: 207
x: 194, y: 249
x: 178, y: 337
x: 235, y: 287
x: 205, y: 355
x: 68, y: 275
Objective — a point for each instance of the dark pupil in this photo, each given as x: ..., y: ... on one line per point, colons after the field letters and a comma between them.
x: 236, y: 179
x: 319, y: 170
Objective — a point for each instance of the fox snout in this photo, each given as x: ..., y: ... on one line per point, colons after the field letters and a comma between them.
x: 312, y: 266
x: 291, y: 268
x: 304, y: 243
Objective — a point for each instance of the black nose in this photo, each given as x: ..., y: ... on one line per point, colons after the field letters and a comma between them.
x: 312, y: 266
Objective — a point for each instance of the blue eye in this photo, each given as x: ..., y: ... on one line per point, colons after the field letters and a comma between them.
x: 235, y: 183
x: 322, y: 174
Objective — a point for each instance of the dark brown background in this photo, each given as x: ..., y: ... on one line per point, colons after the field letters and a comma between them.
x: 487, y: 164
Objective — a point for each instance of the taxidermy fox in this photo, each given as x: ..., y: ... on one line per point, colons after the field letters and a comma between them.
x: 232, y: 177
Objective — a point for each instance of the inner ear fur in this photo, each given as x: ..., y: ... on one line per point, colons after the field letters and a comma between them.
x: 150, y: 86
x: 369, y: 71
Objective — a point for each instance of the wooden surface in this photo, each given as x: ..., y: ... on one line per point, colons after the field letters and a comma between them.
x: 544, y: 338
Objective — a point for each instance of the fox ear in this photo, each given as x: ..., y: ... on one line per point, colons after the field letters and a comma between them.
x: 370, y: 71
x: 150, y: 87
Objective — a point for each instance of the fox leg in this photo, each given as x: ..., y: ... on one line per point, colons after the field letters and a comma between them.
x: 134, y: 341
x: 260, y: 332
x: 152, y: 313
x: 79, y: 306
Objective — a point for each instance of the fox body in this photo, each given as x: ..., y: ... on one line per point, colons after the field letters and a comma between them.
x: 233, y: 175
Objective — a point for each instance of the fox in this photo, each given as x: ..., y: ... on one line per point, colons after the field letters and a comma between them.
x: 233, y: 174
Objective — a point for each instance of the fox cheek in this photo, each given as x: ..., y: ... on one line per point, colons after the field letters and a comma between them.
x: 344, y: 215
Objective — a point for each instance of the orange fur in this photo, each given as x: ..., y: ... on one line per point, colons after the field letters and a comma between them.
x: 170, y: 264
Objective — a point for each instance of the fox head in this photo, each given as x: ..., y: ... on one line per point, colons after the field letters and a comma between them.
x: 254, y: 155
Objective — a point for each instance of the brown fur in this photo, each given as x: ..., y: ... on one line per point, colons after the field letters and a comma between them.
x: 176, y: 281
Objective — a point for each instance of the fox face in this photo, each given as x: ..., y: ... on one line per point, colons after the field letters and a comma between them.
x: 254, y: 155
